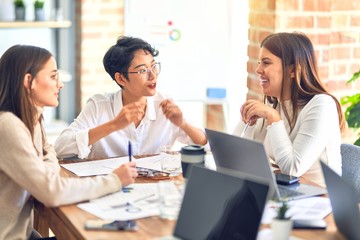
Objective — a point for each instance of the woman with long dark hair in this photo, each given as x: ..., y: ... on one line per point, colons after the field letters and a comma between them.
x: 299, y: 121
x: 29, y: 168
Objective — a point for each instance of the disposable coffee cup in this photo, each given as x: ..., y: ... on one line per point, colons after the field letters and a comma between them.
x: 191, y: 155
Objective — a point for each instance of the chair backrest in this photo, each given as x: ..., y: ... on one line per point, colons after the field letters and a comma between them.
x: 350, y: 155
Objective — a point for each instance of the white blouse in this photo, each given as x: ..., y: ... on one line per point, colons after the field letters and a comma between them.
x: 316, y: 136
x: 154, y: 130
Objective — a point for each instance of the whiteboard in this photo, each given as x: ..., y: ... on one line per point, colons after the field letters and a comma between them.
x: 193, y: 38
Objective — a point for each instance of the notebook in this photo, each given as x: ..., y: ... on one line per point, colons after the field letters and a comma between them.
x: 221, y: 205
x: 249, y: 156
x: 344, y: 204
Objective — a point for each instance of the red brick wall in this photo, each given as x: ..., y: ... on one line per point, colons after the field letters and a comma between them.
x: 98, y: 24
x: 332, y: 25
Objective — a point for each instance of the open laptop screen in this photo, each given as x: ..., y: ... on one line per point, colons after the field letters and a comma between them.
x: 250, y: 157
x: 220, y: 206
x: 344, y: 204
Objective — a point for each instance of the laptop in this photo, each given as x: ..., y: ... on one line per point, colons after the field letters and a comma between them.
x: 249, y: 156
x: 344, y: 204
x: 221, y: 205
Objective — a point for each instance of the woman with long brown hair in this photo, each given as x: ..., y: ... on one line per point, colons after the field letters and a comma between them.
x: 299, y: 122
x: 28, y: 164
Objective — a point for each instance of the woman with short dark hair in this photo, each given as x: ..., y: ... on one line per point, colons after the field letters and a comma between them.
x: 137, y: 112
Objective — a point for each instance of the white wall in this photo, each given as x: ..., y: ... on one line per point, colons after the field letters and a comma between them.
x: 7, y: 12
x: 211, y: 50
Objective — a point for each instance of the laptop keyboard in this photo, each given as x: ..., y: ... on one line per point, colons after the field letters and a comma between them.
x: 286, y: 192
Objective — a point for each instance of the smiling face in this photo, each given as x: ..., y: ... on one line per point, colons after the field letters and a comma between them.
x: 137, y: 86
x: 46, y: 85
x: 270, y: 72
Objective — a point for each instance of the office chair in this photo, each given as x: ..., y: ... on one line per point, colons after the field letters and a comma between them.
x: 351, y: 166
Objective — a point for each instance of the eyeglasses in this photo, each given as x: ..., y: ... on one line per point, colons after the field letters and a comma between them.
x: 150, y: 173
x: 145, y: 72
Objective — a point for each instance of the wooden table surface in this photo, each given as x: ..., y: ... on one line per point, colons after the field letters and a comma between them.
x: 67, y: 222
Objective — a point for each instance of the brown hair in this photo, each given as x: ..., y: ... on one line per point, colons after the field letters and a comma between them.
x: 15, y: 63
x: 295, y: 49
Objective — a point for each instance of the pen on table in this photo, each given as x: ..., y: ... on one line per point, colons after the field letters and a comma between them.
x: 130, y: 151
x: 127, y: 189
x: 246, y: 127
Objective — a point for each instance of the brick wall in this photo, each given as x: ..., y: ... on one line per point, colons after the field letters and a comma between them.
x: 332, y: 25
x: 98, y: 24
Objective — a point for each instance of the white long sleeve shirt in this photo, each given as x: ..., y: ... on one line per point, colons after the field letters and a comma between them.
x: 316, y: 136
x: 154, y: 130
x: 25, y: 172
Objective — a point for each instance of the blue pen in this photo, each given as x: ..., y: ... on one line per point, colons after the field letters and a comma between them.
x: 127, y: 189
x: 130, y: 151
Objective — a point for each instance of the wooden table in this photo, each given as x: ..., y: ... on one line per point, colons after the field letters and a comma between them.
x: 67, y: 222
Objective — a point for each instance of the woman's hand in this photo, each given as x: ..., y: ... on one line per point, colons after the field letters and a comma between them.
x: 126, y: 173
x: 172, y: 112
x: 132, y: 112
x: 252, y: 110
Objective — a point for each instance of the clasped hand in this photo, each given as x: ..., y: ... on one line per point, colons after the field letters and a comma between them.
x: 130, y: 113
x: 252, y: 110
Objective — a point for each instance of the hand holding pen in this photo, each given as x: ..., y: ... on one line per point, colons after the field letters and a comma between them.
x: 248, y: 112
x: 127, y: 173
x: 252, y: 110
x: 245, y: 128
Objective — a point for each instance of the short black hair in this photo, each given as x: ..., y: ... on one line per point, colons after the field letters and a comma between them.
x: 118, y: 58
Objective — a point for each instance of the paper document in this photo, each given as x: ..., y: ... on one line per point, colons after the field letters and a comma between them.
x: 92, y: 168
x: 301, y: 209
x: 267, y: 234
x: 106, y: 166
x: 135, y: 201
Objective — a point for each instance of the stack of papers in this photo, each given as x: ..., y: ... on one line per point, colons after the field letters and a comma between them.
x: 106, y: 166
x: 267, y: 234
x: 311, y: 208
x: 135, y: 201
